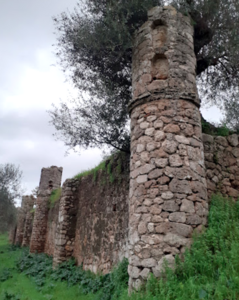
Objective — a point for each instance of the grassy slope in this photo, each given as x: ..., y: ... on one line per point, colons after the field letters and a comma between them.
x: 23, y: 287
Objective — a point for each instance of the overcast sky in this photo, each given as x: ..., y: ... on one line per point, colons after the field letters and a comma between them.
x: 30, y: 81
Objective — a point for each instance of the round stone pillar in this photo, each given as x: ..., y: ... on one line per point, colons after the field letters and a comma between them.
x: 168, y: 193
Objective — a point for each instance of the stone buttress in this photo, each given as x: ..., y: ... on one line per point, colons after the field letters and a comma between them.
x: 22, y: 218
x: 50, y: 180
x: 67, y: 218
x: 168, y: 191
x: 29, y: 216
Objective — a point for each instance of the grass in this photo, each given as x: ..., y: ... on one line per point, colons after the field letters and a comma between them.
x: 93, y: 171
x: 22, y: 287
x: 55, y: 196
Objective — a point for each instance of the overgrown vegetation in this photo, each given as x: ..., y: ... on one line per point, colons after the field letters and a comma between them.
x: 216, y: 130
x: 55, y: 196
x: 111, y: 167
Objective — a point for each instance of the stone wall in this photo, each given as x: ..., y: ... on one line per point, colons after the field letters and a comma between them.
x: 52, y: 221
x: 93, y: 218
x: 222, y: 164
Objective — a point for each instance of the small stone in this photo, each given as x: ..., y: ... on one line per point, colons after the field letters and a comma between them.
x: 169, y: 146
x: 179, y: 217
x: 134, y: 272
x: 194, y: 220
x: 175, y: 160
x: 149, y: 131
x: 159, y: 136
x: 207, y: 138
x: 233, y: 140
x: 161, y: 162
x: 158, y: 124
x: 152, y: 239
x: 145, y: 273
x: 155, y: 174
x: 148, y: 263
x: 182, y: 229
x: 151, y: 146
x: 187, y: 206
x: 163, y: 227
x: 150, y: 227
x: 180, y: 186
x: 145, y: 156
x: 167, y: 195
x: 175, y: 240
x: 151, y: 118
x: 157, y: 219
x: 144, y: 125
x: 134, y: 261
x: 158, y: 200
x: 167, y: 260
x: 140, y: 148
x: 221, y: 141
x: 146, y: 169
x: 171, y: 128
x: 170, y: 205
x: 182, y: 139
x: 142, y: 229
x: 155, y: 209
x: 142, y: 178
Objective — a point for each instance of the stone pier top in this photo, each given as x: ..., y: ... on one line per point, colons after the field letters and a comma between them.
x: 164, y: 62
x: 50, y: 178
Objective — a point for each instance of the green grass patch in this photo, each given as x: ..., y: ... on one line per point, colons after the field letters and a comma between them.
x: 25, y: 276
x: 93, y: 171
x: 210, y: 269
x: 215, y: 130
x: 55, y: 196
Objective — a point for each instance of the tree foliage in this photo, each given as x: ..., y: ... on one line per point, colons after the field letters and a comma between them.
x: 95, y: 50
x: 10, y: 189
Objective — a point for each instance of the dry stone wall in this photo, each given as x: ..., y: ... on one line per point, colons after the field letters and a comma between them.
x: 52, y: 221
x: 222, y: 164
x: 168, y: 194
x: 102, y: 219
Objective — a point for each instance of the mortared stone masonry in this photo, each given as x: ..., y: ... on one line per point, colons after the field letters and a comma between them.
x: 168, y: 193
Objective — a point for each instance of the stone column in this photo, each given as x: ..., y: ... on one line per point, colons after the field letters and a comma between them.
x: 66, y: 227
x: 21, y: 218
x: 29, y: 215
x: 168, y: 193
x: 50, y: 180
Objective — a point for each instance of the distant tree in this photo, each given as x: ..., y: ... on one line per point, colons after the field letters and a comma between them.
x: 10, y: 189
x: 95, y: 50
x: 231, y: 112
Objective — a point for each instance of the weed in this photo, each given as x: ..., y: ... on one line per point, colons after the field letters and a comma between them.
x: 93, y: 171
x: 55, y: 196
x: 9, y: 296
x: 5, y: 274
